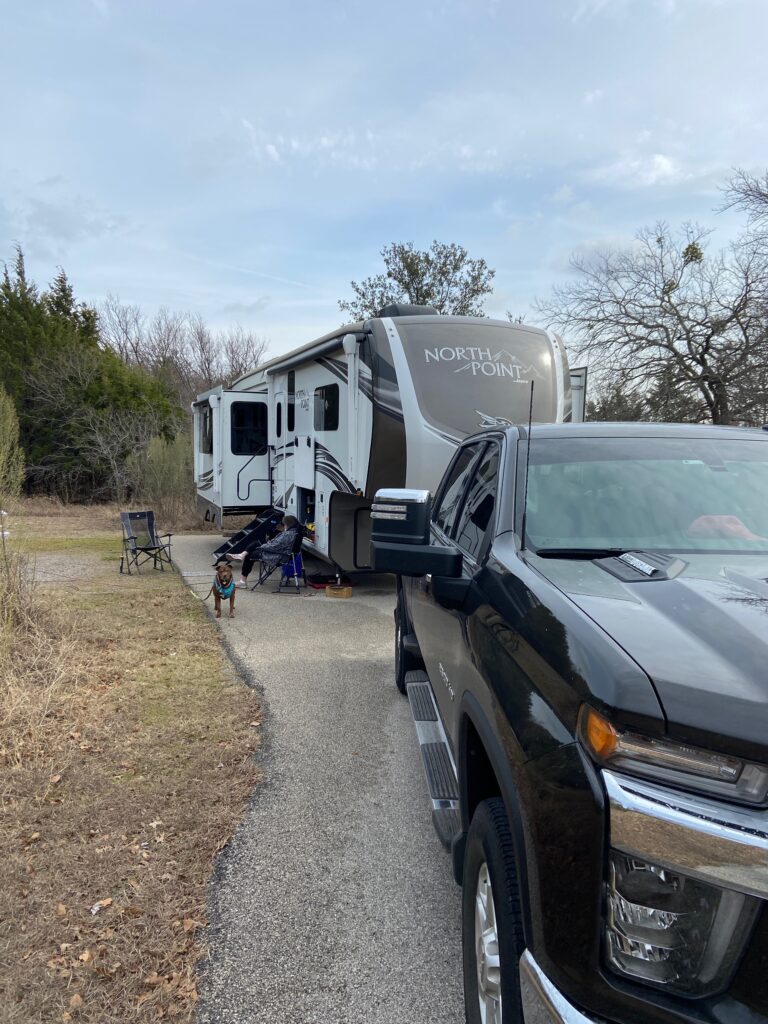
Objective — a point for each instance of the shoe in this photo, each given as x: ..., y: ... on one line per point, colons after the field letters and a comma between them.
x: 241, y: 585
x: 239, y: 555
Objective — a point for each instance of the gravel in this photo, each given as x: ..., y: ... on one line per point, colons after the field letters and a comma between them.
x: 335, y: 901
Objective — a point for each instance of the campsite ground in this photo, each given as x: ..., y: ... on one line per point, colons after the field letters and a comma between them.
x: 126, y: 743
x: 333, y: 902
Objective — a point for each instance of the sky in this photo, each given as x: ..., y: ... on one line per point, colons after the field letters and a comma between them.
x: 246, y: 160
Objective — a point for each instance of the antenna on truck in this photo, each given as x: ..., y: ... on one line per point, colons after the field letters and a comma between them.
x: 527, y: 465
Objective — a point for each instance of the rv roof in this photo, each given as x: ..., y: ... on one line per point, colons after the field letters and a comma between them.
x: 333, y: 340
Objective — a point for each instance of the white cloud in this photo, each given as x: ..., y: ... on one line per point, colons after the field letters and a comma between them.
x: 633, y: 171
x: 592, y: 96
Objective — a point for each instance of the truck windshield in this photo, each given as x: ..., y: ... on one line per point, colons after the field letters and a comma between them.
x: 684, y: 495
x: 473, y: 375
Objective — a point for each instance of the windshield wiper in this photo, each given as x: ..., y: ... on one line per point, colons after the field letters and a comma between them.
x: 580, y: 552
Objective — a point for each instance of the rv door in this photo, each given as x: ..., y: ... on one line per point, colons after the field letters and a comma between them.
x: 245, y: 481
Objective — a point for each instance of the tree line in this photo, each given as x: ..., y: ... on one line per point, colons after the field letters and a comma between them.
x: 671, y: 330
x: 99, y: 393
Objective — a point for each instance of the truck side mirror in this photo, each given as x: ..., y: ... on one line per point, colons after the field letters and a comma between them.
x: 400, y: 536
x: 402, y: 515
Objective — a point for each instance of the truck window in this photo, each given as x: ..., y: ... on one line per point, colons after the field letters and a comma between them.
x: 452, y: 489
x: 327, y: 407
x: 473, y: 530
x: 249, y: 428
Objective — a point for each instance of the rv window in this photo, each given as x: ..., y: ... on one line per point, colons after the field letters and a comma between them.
x: 327, y: 407
x: 249, y: 428
x: 291, y: 408
x: 206, y: 431
x: 279, y: 420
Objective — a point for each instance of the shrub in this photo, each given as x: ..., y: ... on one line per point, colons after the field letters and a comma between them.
x: 165, y: 480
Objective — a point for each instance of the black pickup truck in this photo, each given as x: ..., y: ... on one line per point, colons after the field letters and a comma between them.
x: 582, y: 632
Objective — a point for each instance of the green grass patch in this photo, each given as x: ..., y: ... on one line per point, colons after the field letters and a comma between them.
x: 105, y: 544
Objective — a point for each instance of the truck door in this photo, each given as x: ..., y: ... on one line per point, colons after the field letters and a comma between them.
x: 244, y: 452
x: 465, y: 516
x: 438, y: 628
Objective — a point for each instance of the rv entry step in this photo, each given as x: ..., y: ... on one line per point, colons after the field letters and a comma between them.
x: 259, y: 530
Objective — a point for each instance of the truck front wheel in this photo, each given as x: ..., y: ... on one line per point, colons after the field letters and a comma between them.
x: 492, y: 930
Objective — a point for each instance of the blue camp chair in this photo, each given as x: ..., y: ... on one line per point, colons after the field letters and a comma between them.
x: 141, y: 542
x: 291, y: 570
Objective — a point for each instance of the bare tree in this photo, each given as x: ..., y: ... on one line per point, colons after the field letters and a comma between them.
x: 749, y: 193
x: 94, y: 442
x: 241, y: 351
x: 205, y: 355
x: 122, y: 328
x: 663, y: 312
x: 115, y: 439
x: 179, y: 348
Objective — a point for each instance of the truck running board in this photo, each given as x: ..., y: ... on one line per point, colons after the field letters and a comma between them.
x: 436, y: 755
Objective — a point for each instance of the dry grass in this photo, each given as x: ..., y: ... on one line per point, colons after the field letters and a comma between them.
x: 45, y: 516
x: 126, y: 749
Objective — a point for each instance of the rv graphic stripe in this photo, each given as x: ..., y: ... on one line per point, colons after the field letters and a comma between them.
x: 337, y: 368
x: 328, y: 466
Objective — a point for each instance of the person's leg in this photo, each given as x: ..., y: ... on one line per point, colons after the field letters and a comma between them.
x: 248, y: 563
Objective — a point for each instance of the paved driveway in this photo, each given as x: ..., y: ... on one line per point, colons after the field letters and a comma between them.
x: 335, y: 902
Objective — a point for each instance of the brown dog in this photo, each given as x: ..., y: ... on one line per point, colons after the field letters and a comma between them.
x: 223, y: 587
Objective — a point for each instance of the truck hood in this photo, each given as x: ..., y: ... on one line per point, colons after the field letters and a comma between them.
x: 701, y: 637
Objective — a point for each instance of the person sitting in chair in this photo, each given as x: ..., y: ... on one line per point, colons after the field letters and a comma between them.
x: 271, y: 552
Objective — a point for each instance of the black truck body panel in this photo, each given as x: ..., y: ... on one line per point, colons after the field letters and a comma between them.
x: 538, y: 637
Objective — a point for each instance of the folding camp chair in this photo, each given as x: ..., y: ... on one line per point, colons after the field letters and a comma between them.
x: 292, y: 575
x: 291, y: 566
x: 141, y: 542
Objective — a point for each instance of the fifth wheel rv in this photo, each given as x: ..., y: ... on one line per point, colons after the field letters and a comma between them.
x: 380, y: 403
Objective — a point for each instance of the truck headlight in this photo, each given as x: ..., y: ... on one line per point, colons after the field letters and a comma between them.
x: 672, y: 931
x: 677, y: 764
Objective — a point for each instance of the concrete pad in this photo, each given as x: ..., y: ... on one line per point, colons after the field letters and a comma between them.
x: 335, y: 901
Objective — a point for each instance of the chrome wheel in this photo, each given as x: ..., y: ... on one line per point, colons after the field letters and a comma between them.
x: 487, y: 950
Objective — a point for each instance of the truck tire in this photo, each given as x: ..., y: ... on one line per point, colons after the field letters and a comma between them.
x: 404, y: 660
x: 492, y: 929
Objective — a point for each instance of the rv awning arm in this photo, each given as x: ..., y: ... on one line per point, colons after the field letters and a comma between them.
x: 312, y: 353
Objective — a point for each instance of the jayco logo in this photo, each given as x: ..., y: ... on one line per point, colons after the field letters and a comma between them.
x: 481, y: 362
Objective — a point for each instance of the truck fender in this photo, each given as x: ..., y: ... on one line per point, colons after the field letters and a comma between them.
x: 471, y: 712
